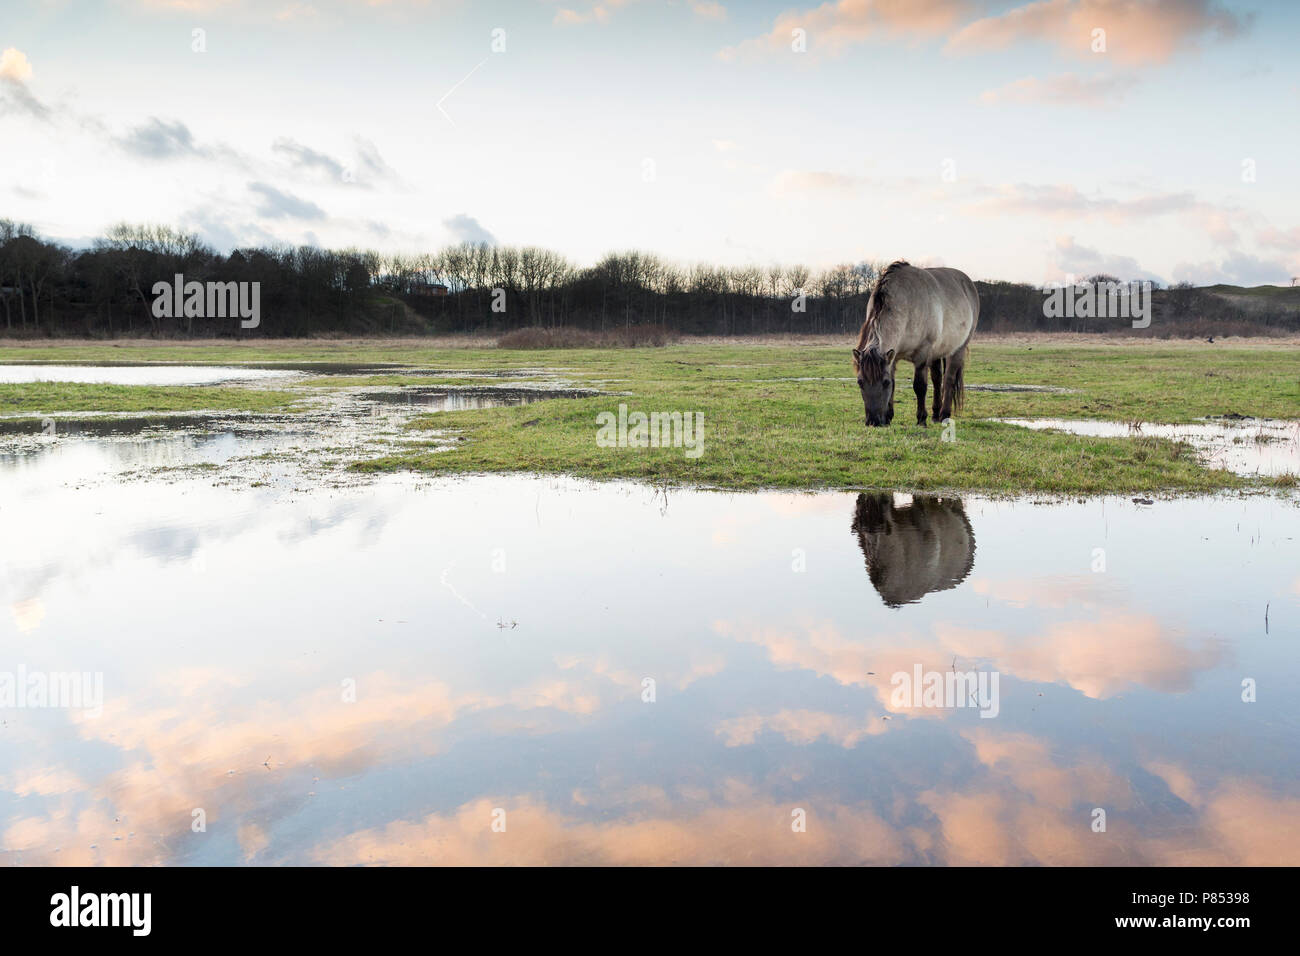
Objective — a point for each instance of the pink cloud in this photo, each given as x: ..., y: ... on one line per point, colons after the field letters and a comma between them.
x: 792, y: 181
x: 833, y: 27
x: 1068, y: 202
x: 1134, y: 31
x: 1287, y: 240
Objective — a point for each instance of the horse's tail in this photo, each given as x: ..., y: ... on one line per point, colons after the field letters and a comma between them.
x: 959, y: 388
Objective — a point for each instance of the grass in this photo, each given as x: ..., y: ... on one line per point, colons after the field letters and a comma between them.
x: 784, y: 414
x: 635, y: 336
x: 780, y: 439
x: 43, y: 397
x: 1259, y: 291
x: 1159, y: 384
x: 764, y: 428
x: 1166, y: 381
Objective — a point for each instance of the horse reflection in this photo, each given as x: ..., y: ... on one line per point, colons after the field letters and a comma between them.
x: 913, y: 549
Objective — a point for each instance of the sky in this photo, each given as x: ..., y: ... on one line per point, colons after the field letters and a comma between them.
x: 1022, y: 141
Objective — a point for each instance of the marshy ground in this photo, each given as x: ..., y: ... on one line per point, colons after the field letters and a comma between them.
x: 777, y: 413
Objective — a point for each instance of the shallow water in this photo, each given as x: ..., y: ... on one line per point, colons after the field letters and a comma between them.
x: 319, y: 368
x: 441, y: 399
x: 310, y: 448
x: 137, y: 374
x: 1252, y: 446
x: 380, y: 672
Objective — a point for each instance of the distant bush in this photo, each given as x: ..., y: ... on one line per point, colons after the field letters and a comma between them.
x: 1202, y: 328
x: 534, y: 297
x: 565, y: 337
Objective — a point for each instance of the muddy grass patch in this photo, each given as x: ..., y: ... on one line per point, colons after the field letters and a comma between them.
x: 473, y: 397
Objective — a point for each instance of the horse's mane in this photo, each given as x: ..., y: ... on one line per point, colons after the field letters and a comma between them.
x: 879, y: 301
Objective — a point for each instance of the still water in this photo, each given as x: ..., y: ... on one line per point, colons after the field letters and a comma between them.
x: 461, y: 399
x: 393, y: 670
x: 137, y: 374
x: 1251, y: 446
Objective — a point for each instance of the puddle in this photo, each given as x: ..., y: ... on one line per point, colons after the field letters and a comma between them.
x: 106, y: 425
x: 300, y: 452
x: 438, y: 399
x: 364, y: 669
x: 1249, y: 446
x: 304, y: 450
x: 319, y: 368
x: 366, y: 674
x: 105, y: 374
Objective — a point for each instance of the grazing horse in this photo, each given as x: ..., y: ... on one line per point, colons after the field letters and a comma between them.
x: 914, y: 549
x: 926, y: 316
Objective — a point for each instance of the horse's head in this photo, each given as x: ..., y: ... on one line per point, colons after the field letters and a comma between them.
x: 875, y: 371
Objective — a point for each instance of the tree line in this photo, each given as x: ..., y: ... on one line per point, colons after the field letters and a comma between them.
x: 48, y: 289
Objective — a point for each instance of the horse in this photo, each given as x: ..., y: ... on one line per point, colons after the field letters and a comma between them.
x: 914, y: 549
x: 926, y: 316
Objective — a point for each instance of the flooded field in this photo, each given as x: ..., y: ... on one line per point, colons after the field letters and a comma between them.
x: 100, y: 374
x: 1248, y: 446
x: 286, y: 665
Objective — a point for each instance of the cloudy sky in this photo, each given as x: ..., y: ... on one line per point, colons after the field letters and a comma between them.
x: 1014, y: 140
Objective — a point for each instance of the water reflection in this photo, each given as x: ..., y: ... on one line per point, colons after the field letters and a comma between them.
x: 914, y: 548
x: 229, y: 621
x: 138, y: 374
x: 467, y: 398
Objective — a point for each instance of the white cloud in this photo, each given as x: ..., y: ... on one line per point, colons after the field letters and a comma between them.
x: 793, y: 181
x: 15, y: 70
x: 1067, y: 89
x: 465, y: 228
x: 1071, y: 259
x: 1239, y: 268
x: 15, y: 66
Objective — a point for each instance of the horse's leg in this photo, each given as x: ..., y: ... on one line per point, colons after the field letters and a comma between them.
x: 952, y: 369
x: 918, y: 386
x: 893, y: 376
x: 936, y: 377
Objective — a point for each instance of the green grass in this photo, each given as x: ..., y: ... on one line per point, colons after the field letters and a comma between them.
x: 43, y: 397
x: 1138, y: 380
x: 1157, y: 383
x: 763, y: 428
x: 781, y: 439
x: 1147, y: 380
